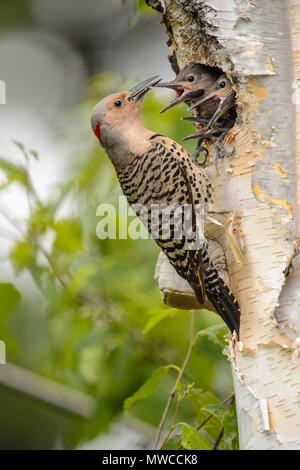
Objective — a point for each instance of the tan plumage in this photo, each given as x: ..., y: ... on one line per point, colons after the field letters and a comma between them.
x: 153, y: 169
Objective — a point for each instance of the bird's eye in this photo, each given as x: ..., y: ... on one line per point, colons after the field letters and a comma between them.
x: 222, y: 84
x: 118, y: 103
x: 191, y: 78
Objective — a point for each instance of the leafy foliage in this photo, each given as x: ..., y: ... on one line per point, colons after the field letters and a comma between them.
x: 192, y: 439
x: 148, y: 388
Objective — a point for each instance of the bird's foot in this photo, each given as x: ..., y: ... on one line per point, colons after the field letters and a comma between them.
x: 220, y: 151
x: 200, y: 148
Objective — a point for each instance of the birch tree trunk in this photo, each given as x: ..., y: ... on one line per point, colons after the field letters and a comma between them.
x: 253, y: 43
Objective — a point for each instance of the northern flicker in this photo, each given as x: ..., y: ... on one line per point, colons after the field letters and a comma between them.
x: 222, y: 94
x: 153, y: 171
x: 194, y: 81
x: 205, y: 82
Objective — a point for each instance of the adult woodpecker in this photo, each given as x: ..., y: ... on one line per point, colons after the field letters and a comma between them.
x: 153, y: 171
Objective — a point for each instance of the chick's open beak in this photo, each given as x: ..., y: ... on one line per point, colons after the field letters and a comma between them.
x: 138, y: 91
x: 181, y: 93
x: 226, y: 103
x: 211, y: 97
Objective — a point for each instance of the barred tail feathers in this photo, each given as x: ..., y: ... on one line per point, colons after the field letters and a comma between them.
x: 221, y: 298
x: 226, y: 305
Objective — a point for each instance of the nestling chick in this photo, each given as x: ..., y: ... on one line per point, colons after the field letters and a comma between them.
x: 222, y: 94
x: 192, y: 82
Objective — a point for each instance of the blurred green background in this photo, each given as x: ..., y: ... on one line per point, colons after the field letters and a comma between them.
x: 75, y: 309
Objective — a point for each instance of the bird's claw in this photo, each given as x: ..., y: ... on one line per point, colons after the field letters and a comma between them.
x: 200, y: 148
x: 220, y: 151
x: 224, y: 153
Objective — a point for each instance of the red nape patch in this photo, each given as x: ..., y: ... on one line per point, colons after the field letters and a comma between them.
x: 98, y: 134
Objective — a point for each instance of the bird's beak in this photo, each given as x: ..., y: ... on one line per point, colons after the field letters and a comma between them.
x: 181, y: 93
x: 138, y: 91
x: 195, y: 119
x: 212, y: 96
x: 224, y: 106
x: 220, y: 123
x: 204, y: 134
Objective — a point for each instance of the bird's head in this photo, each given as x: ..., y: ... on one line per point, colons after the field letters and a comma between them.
x: 192, y: 82
x: 116, y: 118
x: 220, y: 90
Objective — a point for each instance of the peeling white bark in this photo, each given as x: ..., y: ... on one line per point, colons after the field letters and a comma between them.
x: 251, y: 42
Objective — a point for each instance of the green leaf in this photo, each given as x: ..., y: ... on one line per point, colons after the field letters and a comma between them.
x: 148, y: 388
x: 218, y: 411
x: 20, y: 146
x: 68, y: 236
x: 200, y: 400
x: 178, y: 386
x: 13, y: 172
x: 42, y: 218
x: 22, y: 256
x: 158, y: 315
x: 230, y: 438
x: 80, y: 277
x: 10, y: 298
x: 211, y: 332
x: 173, y: 443
x: 34, y: 154
x: 192, y: 439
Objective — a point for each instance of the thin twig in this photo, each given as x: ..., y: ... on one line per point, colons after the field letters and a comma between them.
x: 180, y: 374
x: 172, y: 425
x: 215, y: 447
x: 52, y: 265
